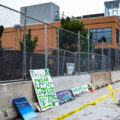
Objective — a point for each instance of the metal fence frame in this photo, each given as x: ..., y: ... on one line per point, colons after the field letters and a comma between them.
x: 58, y: 48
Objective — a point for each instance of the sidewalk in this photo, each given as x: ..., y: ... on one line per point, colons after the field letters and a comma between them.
x: 103, y: 110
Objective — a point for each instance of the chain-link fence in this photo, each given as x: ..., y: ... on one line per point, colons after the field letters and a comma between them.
x: 29, y: 43
x: 58, y: 63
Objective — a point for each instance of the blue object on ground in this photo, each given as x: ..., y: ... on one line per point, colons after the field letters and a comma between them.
x: 24, y: 108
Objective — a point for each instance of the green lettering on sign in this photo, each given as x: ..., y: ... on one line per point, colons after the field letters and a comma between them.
x: 44, y: 88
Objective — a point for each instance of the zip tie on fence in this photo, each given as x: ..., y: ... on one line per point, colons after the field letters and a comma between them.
x: 91, y: 103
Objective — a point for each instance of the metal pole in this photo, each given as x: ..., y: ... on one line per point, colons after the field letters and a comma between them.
x: 88, y: 47
x: 102, y: 53
x: 115, y: 58
x: 24, y: 49
x: 118, y: 59
x: 79, y: 51
x: 104, y: 63
x: 45, y: 46
x: 75, y: 60
x: 93, y: 55
x: 119, y: 51
x: 94, y: 63
x: 109, y: 58
x: 30, y: 62
x: 58, y: 50
x: 63, y: 61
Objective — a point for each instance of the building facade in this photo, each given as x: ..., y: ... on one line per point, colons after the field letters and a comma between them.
x: 108, y: 27
x: 112, y: 8
x: 47, y: 12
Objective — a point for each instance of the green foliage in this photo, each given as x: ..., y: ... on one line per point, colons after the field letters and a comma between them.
x: 103, y: 39
x: 69, y: 41
x: 1, y: 32
x: 73, y: 25
x: 30, y: 44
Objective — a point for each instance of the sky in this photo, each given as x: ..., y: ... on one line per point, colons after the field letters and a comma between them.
x: 69, y: 7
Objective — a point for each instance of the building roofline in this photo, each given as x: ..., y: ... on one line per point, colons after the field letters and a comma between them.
x: 93, y: 15
x: 39, y: 4
x: 111, y: 1
x: 99, y: 17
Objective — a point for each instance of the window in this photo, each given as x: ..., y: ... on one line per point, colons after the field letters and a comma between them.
x: 117, y: 36
x: 107, y: 34
x: 115, y: 12
x: 57, y: 15
x: 99, y: 30
x: 99, y: 33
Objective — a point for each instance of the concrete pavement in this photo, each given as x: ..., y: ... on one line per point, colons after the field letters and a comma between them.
x: 104, y: 110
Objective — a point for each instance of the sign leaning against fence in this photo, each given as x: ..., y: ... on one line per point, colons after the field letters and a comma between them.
x: 70, y: 68
x: 44, y: 88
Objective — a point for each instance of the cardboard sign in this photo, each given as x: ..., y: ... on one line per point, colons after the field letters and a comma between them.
x: 24, y: 108
x: 78, y: 91
x: 64, y: 96
x: 37, y: 106
x: 44, y: 89
x: 70, y: 68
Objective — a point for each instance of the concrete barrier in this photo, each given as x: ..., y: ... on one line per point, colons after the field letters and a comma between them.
x: 107, y: 77
x: 9, y: 91
x: 96, y: 80
x: 1, y: 116
x: 115, y: 76
x: 100, y: 79
x: 68, y: 82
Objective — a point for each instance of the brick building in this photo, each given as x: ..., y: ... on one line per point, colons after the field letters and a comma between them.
x: 108, y: 27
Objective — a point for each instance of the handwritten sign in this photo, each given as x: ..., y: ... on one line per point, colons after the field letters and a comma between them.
x: 78, y: 91
x: 64, y: 96
x: 24, y: 108
x: 44, y: 88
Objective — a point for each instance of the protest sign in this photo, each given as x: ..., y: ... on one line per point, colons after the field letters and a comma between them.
x: 78, y: 91
x: 44, y: 88
x: 37, y: 106
x: 64, y: 96
x: 24, y: 108
x: 70, y: 68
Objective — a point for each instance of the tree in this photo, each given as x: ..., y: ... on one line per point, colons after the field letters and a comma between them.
x: 103, y: 39
x: 69, y: 41
x: 1, y: 32
x: 30, y: 44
